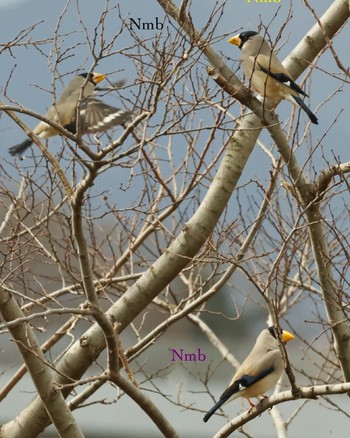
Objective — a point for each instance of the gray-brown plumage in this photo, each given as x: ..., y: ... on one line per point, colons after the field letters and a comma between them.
x: 258, y: 373
x: 265, y: 72
x: 77, y: 108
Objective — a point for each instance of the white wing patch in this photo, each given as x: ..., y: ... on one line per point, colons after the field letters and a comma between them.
x: 107, y: 120
x: 241, y: 387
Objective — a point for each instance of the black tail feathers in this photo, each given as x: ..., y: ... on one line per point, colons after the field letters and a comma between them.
x: 18, y: 149
x: 302, y: 105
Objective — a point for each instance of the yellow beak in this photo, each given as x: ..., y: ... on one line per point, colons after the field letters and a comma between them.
x: 235, y: 40
x: 286, y: 336
x: 98, y: 77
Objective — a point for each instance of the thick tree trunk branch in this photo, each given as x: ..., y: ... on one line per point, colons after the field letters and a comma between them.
x: 305, y: 392
x: 42, y: 376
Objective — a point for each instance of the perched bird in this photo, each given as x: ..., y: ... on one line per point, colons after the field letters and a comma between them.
x: 266, y: 73
x: 78, y: 108
x: 258, y: 373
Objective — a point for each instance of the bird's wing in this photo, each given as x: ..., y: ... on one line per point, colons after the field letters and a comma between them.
x: 271, y: 66
x: 244, y: 382
x: 96, y: 116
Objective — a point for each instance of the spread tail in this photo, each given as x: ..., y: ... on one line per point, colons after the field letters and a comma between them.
x: 18, y: 149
